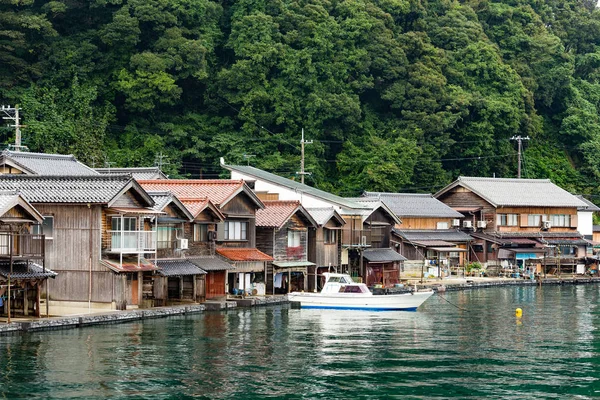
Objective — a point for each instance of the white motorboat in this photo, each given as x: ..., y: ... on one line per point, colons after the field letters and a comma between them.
x: 341, y: 292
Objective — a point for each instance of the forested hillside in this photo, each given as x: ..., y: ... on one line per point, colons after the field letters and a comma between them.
x: 397, y: 95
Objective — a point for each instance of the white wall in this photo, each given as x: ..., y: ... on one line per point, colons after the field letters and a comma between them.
x: 585, y: 224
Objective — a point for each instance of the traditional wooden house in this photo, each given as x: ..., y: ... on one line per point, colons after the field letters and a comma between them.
x: 518, y: 222
x: 23, y: 270
x: 138, y: 173
x: 234, y: 238
x: 282, y: 231
x: 98, y: 235
x: 19, y: 162
x: 325, y: 243
x: 367, y: 224
x: 428, y: 235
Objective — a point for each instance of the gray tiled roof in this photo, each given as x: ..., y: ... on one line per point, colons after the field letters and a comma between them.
x: 140, y: 173
x: 369, y: 205
x: 65, y: 189
x: 293, y: 185
x: 211, y: 263
x: 590, y: 206
x: 179, y: 267
x: 448, y: 235
x: 382, y: 255
x: 46, y: 164
x: 322, y: 215
x: 517, y: 192
x: 21, y: 270
x: 414, y: 205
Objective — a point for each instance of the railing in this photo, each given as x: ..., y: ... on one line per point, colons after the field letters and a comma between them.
x: 355, y: 237
x: 132, y: 241
x: 21, y: 245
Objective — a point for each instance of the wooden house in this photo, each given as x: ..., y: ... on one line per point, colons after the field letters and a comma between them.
x: 325, y: 243
x: 23, y: 270
x: 367, y: 224
x: 98, y: 236
x: 282, y: 232
x: 519, y: 222
x: 428, y: 235
x: 234, y: 237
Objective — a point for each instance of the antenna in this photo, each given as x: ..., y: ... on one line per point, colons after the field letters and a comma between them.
x: 519, y: 140
x: 248, y: 156
x: 302, y: 143
x: 158, y: 162
x: 12, y: 113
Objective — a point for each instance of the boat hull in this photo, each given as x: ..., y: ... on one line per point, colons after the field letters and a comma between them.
x: 351, y: 301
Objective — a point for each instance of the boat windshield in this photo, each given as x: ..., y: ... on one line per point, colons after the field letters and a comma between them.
x: 339, y: 279
x: 351, y: 289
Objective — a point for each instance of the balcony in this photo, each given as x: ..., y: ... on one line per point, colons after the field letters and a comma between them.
x: 132, y: 242
x: 356, y: 238
x: 21, y: 246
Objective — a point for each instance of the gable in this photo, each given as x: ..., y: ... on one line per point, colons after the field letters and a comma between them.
x: 241, y: 204
x: 127, y: 200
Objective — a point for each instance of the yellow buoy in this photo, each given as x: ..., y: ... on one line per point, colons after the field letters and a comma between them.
x: 518, y: 312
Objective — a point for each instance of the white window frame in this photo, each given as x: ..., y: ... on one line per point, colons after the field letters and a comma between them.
x: 441, y: 225
x: 294, y: 238
x: 509, y: 219
x: 534, y: 219
x: 235, y: 230
x: 563, y: 220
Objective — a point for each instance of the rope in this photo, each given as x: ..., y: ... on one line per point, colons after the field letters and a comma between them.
x: 451, y: 303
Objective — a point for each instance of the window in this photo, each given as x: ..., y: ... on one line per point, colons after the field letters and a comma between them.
x: 293, y: 238
x: 534, y: 220
x: 507, y: 219
x: 45, y: 228
x: 453, y: 254
x: 200, y: 232
x: 129, y: 224
x: 560, y: 220
x: 442, y: 225
x: 329, y: 236
x: 165, y: 236
x: 235, y: 230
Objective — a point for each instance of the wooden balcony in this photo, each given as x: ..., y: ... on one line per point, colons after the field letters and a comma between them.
x: 22, y: 246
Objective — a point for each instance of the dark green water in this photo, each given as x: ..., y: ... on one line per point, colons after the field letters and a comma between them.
x: 553, y: 351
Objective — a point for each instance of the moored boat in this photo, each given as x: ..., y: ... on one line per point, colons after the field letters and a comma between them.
x: 341, y: 292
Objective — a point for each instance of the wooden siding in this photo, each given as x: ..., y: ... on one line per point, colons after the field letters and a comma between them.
x: 240, y: 205
x: 215, y: 284
x: 265, y: 240
x: 423, y: 223
x: 281, y: 250
x: 323, y: 255
x: 127, y: 199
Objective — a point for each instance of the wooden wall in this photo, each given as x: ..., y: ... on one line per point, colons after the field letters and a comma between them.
x: 423, y: 223
x: 281, y: 251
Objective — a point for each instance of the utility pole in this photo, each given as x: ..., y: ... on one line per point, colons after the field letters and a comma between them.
x: 159, y: 160
x: 12, y: 113
x: 248, y: 156
x: 519, y: 140
x: 302, y: 143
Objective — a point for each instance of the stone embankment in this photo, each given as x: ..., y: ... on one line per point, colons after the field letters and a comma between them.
x: 468, y: 284
x: 116, y: 317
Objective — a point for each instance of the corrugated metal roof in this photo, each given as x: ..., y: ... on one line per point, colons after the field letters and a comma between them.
x: 179, y: 267
x: 46, y: 164
x: 292, y: 185
x: 448, y: 235
x: 414, y: 205
x: 244, y: 254
x: 516, y: 192
x: 138, y: 173
x: 67, y: 189
x: 24, y: 270
x: 382, y: 255
x: 211, y: 263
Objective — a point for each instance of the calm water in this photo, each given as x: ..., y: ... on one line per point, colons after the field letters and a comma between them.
x: 482, y: 349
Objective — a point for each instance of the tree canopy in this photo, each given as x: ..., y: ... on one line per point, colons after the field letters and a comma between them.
x: 397, y: 95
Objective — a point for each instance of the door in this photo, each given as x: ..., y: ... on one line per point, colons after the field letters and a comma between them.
x: 135, y: 290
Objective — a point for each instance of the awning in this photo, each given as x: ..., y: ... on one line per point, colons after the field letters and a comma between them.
x: 522, y: 241
x: 382, y: 255
x: 24, y: 270
x: 178, y: 267
x: 129, y: 265
x: 211, y: 263
x: 520, y: 253
x: 432, y: 243
x: 448, y: 249
x: 293, y: 264
x: 243, y: 254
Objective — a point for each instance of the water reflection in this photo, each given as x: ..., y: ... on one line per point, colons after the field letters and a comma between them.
x: 474, y: 347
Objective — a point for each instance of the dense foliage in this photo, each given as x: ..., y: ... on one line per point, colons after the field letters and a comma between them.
x: 397, y: 95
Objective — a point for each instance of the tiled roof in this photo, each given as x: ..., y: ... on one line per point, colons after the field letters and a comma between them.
x: 219, y: 191
x: 130, y: 264
x: 11, y: 198
x: 137, y: 173
x: 244, y: 254
x: 292, y: 185
x: 69, y: 189
x: 277, y: 212
x: 23, y: 270
x: 322, y: 215
x: 414, y: 205
x: 45, y: 164
x: 382, y: 255
x: 596, y: 228
x: 163, y: 199
x: 369, y: 206
x: 516, y: 192
x: 589, y: 205
x: 211, y: 263
x: 449, y: 235
x: 178, y: 267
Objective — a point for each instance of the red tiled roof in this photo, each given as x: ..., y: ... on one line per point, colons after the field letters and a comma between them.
x: 217, y: 190
x: 276, y: 212
x: 239, y: 254
x: 195, y: 206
